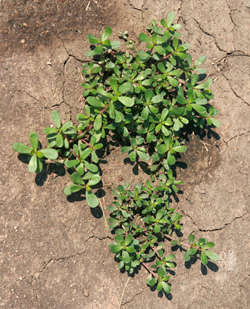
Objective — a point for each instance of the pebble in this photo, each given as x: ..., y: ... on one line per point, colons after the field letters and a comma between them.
x: 22, y: 41
x: 85, y: 292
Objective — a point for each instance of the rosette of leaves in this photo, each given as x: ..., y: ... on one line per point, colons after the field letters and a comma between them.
x: 57, y: 136
x: 36, y: 154
x: 140, y: 219
x: 84, y: 182
x: 149, y: 98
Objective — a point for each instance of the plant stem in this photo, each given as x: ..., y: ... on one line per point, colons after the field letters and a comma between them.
x: 150, y: 271
x: 182, y: 243
x: 156, y: 252
x: 86, y: 143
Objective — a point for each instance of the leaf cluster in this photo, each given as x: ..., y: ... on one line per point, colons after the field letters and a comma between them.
x: 147, y: 100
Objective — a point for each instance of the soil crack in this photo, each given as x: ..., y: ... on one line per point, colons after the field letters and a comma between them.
x: 235, y: 93
x: 209, y: 34
x: 130, y: 301
x: 28, y: 94
x: 226, y: 224
x: 136, y: 8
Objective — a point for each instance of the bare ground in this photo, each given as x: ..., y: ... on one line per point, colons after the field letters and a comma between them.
x: 54, y: 252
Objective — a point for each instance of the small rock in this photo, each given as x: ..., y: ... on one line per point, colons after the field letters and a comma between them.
x: 25, y: 25
x: 85, y: 292
x: 22, y: 41
x: 49, y: 63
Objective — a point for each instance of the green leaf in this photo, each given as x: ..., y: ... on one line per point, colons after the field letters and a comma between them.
x: 131, y: 249
x: 143, y: 155
x: 125, y: 257
x: 212, y: 255
x: 192, y: 251
x: 132, y: 156
x: 173, y: 82
x: 128, y: 239
x: 33, y: 164
x: 180, y: 148
x: 92, y: 199
x: 152, y: 282
x: 205, y: 85
x: 162, y: 148
x: 159, y: 286
x: 125, y: 149
x: 51, y: 154
x: 115, y: 248
x: 91, y: 167
x: 161, y: 67
x: 50, y: 130
x: 176, y: 126
x: 21, y: 148
x: 187, y: 256
x: 161, y: 272
x: 170, y: 257
x: 67, y: 125
x: 174, y: 242
x: 204, y: 259
x: 191, y: 238
x: 200, y: 109
x: 77, y: 178
x: 201, y: 60
x: 75, y: 188
x: 170, y: 19
x: 171, y: 159
x: 89, y: 53
x: 166, y: 287
x: 85, y: 153
x: 209, y: 245
x: 34, y: 140
x: 98, y: 50
x: 215, y: 122
x: 94, y: 157
x: 107, y: 33
x: 92, y: 39
x: 93, y: 180
x: 121, y: 264
x: 98, y: 122
x: 145, y: 113
x: 157, y: 228
x: 164, y: 24
x: 56, y: 119
x: 39, y: 166
x: 144, y: 38
x: 95, y: 102
x: 160, y: 50
x: 115, y: 44
x: 157, y: 99
x: 126, y: 87
x: 59, y: 140
x: 114, y: 85
x: 71, y: 163
x: 126, y: 101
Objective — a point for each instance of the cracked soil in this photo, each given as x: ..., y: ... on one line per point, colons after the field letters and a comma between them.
x: 53, y: 250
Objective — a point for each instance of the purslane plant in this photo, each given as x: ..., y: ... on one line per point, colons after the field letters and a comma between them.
x: 146, y: 99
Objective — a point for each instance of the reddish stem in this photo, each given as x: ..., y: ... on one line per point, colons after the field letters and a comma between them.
x: 182, y: 243
x: 150, y: 271
x: 156, y: 252
x: 86, y: 143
